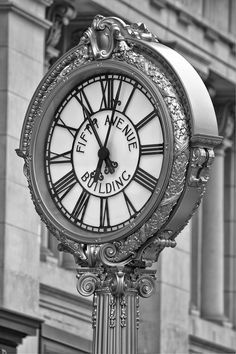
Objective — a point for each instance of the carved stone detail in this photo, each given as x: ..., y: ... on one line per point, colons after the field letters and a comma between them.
x: 226, y: 119
x: 60, y: 14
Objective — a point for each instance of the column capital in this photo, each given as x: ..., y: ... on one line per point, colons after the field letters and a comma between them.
x: 116, y: 280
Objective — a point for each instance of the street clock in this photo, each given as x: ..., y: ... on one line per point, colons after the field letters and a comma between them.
x: 106, y: 151
x: 117, y: 141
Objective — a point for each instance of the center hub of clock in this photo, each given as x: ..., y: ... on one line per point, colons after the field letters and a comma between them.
x: 103, y: 153
x: 106, y: 170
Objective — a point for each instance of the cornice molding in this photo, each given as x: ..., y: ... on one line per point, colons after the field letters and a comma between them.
x: 211, y: 32
x: 14, y: 326
x: 55, y: 293
x: 8, y: 6
x: 61, y: 302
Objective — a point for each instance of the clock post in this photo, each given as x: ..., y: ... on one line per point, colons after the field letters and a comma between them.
x: 117, y: 145
x: 115, y: 317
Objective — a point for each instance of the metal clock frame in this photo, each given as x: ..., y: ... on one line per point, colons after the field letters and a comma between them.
x: 110, y: 45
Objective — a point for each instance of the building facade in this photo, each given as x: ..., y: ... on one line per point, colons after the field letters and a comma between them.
x: 194, y: 307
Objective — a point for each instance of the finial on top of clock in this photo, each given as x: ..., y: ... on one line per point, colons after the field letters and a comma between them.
x: 108, y: 34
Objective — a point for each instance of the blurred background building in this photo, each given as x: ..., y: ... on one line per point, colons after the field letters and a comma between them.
x: 194, y: 307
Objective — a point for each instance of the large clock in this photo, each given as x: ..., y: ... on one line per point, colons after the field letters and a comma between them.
x: 118, y: 140
x: 104, y: 150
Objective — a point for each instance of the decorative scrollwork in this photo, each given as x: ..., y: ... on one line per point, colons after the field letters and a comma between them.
x: 137, y: 312
x: 86, y: 284
x: 104, y: 36
x: 146, y: 286
x: 201, y: 160
x: 72, y: 247
x: 117, y: 281
x: 123, y: 308
x: 108, y: 255
x: 109, y: 34
x: 140, y: 31
x: 150, y: 251
x: 112, y: 312
x: 94, y: 313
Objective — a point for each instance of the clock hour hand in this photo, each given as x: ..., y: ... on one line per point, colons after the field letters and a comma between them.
x: 103, y: 155
x: 97, y: 175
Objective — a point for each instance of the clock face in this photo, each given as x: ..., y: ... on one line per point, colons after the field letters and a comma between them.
x: 104, y: 153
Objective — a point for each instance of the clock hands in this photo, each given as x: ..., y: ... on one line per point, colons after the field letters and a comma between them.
x: 103, y: 153
x: 109, y: 165
x: 87, y: 116
x: 97, y: 174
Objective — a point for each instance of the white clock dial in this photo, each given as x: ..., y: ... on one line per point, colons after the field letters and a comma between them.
x: 104, y: 152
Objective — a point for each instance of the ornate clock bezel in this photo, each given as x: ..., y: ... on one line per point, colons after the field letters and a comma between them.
x: 37, y: 147
x: 191, y: 142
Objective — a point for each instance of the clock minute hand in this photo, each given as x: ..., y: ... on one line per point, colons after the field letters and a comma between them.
x: 107, y: 159
x: 87, y: 116
x: 103, y: 154
x: 116, y: 101
x: 110, y: 164
x: 97, y: 172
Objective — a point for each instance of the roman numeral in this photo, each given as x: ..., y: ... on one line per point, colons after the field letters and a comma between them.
x: 65, y: 184
x: 130, y: 97
x: 104, y: 213
x: 146, y: 120
x: 84, y: 102
x: 71, y: 130
x: 107, y: 93
x: 65, y: 157
x: 145, y: 179
x: 81, y: 206
x: 130, y: 207
x: 152, y: 149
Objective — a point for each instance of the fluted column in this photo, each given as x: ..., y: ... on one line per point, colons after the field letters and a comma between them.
x: 115, y: 317
x: 115, y: 322
x: 212, y: 293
